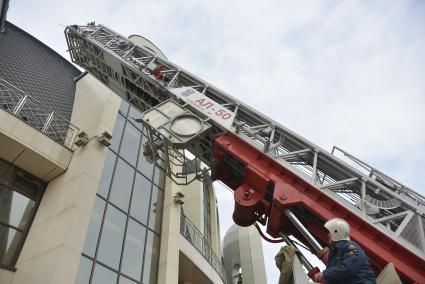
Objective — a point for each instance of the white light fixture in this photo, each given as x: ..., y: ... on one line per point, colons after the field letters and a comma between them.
x: 82, y: 139
x: 186, y: 125
x: 105, y: 139
x: 178, y: 198
x: 175, y: 123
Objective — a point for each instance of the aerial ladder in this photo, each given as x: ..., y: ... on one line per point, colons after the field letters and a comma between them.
x: 280, y: 179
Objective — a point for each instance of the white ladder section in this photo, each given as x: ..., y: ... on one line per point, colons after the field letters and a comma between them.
x: 145, y: 80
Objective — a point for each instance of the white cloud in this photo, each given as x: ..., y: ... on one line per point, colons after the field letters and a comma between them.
x: 346, y: 73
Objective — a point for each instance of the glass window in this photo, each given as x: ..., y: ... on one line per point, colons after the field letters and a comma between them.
x: 25, y: 184
x: 140, y: 199
x: 103, y: 275
x: 151, y: 258
x: 4, y: 169
x: 144, y: 166
x: 20, y: 193
x: 125, y: 280
x: 84, y: 270
x: 133, y: 250
x: 133, y: 115
x: 15, y: 208
x: 117, y: 132
x: 121, y: 185
x: 130, y: 143
x: 124, y: 249
x: 124, y: 107
x: 155, y: 210
x: 108, y: 169
x: 159, y: 177
x: 112, y: 237
x: 10, y: 241
x: 94, y: 227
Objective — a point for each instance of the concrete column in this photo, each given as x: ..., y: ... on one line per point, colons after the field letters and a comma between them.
x: 193, y: 206
x: 52, y: 250
x: 168, y: 270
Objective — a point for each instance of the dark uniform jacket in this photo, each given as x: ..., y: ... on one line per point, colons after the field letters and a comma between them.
x: 348, y: 264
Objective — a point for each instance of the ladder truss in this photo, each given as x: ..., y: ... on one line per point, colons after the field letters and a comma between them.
x: 145, y: 80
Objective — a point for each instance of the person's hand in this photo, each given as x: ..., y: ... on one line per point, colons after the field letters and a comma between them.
x: 318, y: 277
x: 323, y: 255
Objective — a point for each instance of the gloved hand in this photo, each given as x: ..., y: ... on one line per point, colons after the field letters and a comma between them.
x: 323, y: 255
x: 313, y: 272
x: 318, y: 277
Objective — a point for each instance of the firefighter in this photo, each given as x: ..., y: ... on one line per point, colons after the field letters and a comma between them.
x: 347, y: 263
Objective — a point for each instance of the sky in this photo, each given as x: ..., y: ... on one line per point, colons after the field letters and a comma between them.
x: 344, y: 73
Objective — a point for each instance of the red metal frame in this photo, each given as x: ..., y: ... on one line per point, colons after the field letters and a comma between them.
x: 291, y: 191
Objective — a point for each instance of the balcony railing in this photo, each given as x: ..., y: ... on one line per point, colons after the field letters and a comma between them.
x: 33, y: 112
x: 195, y: 237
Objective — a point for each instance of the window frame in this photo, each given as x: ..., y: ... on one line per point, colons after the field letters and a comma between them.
x: 116, y: 151
x: 41, y: 188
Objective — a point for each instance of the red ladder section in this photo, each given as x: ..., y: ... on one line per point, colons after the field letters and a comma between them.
x: 263, y: 189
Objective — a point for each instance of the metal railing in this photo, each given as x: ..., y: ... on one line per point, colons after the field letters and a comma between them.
x: 34, y: 113
x: 196, y: 238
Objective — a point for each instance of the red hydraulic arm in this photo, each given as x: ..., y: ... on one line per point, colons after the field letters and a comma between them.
x: 264, y: 189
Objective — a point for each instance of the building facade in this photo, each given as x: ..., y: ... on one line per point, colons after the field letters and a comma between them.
x: 74, y: 209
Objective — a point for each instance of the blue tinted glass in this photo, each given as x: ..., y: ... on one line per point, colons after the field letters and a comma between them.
x: 133, y: 251
x: 159, y: 177
x: 130, y: 144
x: 108, y: 169
x: 94, y: 227
x: 124, y: 107
x: 15, y: 208
x: 9, y: 238
x: 144, y: 166
x: 150, y: 268
x: 125, y: 280
x: 140, y: 200
x: 133, y: 115
x: 84, y: 270
x: 121, y: 185
x: 117, y: 132
x: 112, y: 237
x: 155, y: 210
x: 103, y: 275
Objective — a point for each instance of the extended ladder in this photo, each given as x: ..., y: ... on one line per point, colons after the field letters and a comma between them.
x: 137, y: 75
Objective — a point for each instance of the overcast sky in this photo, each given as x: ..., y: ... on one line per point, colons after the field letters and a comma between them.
x: 345, y: 73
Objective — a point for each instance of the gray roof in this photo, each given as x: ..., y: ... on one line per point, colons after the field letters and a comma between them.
x: 36, y: 69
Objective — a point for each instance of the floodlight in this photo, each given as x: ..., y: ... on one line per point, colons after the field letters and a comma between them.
x: 186, y: 125
x: 177, y: 125
x: 82, y: 139
x: 178, y: 198
x: 105, y: 139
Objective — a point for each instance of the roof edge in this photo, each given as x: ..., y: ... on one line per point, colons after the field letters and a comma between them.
x: 45, y: 45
